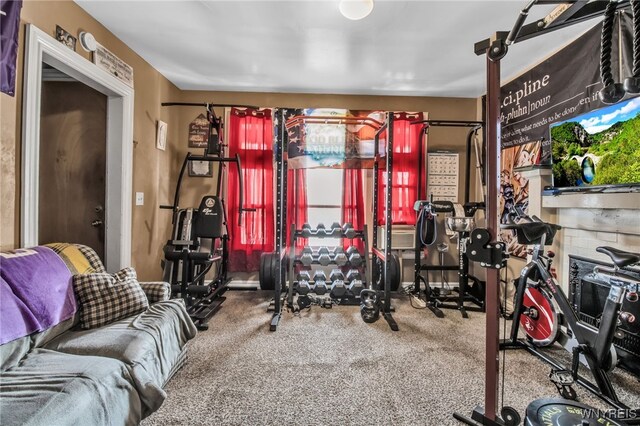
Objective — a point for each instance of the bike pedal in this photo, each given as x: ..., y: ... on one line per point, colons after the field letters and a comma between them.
x: 563, y: 379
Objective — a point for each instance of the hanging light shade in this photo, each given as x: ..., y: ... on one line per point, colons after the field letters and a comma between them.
x: 356, y: 9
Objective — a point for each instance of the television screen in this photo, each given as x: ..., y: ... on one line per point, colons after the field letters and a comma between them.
x: 600, y: 147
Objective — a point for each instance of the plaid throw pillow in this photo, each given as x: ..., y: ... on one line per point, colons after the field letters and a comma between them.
x: 105, y: 298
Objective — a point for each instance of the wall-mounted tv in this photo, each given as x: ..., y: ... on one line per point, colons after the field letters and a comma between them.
x: 598, y: 148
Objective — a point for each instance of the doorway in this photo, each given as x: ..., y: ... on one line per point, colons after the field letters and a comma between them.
x: 73, y: 132
x: 41, y: 49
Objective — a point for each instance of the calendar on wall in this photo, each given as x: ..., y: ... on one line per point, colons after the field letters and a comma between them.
x: 442, y: 175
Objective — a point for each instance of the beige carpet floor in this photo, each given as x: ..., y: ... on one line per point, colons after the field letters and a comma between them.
x: 326, y: 366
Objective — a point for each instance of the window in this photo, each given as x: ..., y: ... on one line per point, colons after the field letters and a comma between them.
x: 324, y: 201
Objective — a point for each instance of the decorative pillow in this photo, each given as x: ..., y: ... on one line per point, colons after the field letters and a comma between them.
x: 156, y: 291
x: 105, y: 298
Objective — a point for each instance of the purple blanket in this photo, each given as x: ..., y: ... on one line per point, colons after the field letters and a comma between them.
x: 36, y: 292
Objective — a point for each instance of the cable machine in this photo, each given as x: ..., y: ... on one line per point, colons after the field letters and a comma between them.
x: 277, y: 264
x: 427, y: 211
x: 493, y: 251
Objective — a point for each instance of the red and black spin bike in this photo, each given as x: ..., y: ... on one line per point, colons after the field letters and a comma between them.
x: 546, y: 316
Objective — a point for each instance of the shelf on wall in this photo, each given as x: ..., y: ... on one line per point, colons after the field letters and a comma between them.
x: 581, y: 200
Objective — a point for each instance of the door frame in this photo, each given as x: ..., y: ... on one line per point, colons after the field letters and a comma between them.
x: 42, y: 48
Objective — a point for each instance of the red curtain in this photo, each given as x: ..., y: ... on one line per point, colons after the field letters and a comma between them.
x: 250, y: 134
x: 296, y: 204
x: 353, y: 203
x: 407, y: 156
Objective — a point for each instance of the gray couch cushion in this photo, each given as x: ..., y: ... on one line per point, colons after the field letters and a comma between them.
x: 49, y: 387
x: 149, y: 343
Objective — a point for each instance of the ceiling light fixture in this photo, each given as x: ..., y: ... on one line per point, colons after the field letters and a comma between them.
x: 355, y: 9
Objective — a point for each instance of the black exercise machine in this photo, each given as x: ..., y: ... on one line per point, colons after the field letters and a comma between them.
x: 200, y: 236
x: 426, y: 227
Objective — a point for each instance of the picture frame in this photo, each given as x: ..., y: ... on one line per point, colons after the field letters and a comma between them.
x: 200, y: 168
x: 65, y: 37
x: 161, y: 135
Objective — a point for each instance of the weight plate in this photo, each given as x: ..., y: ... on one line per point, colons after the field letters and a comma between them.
x: 267, y: 271
x: 562, y: 412
x: 394, y: 273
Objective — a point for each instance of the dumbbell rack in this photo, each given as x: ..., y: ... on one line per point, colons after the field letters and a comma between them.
x: 294, y: 260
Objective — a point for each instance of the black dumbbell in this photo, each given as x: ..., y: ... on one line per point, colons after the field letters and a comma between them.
x: 307, y: 256
x: 303, y: 287
x: 324, y: 256
x: 338, y: 289
x: 339, y: 256
x: 306, y: 231
x: 353, y: 275
x: 354, y: 256
x: 304, y: 276
x: 336, y: 274
x: 355, y: 287
x: 320, y: 281
x: 348, y: 230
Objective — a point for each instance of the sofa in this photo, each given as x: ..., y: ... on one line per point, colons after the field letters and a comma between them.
x: 57, y: 370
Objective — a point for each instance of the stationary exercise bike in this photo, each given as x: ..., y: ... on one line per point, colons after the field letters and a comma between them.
x: 546, y: 315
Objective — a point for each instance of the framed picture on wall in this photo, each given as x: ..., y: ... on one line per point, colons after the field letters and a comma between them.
x: 200, y: 168
x: 64, y: 37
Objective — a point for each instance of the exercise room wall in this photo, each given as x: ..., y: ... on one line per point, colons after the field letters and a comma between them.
x: 441, y: 138
x: 151, y: 166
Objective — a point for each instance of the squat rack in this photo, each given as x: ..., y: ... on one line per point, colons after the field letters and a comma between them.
x: 495, y: 48
x: 281, y: 159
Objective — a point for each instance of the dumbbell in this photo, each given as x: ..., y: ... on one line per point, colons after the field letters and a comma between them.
x: 320, y: 281
x: 321, y: 231
x: 303, y: 287
x: 353, y: 275
x: 354, y: 256
x: 339, y: 256
x: 336, y: 274
x: 324, y: 257
x: 336, y: 229
x: 307, y: 256
x: 304, y: 276
x: 348, y: 230
x: 306, y: 231
x: 355, y: 287
x: 338, y: 289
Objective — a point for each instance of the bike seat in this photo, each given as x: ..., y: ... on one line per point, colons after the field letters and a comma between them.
x: 620, y: 258
x: 531, y: 232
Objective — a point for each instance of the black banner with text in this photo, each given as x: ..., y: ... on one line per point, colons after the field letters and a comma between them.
x: 560, y: 87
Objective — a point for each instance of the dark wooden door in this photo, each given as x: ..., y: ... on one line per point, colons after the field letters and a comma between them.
x: 73, y: 131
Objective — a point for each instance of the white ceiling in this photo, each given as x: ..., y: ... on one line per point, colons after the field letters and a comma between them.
x: 413, y: 48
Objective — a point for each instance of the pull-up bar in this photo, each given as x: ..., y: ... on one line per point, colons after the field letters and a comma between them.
x: 449, y: 123
x: 321, y: 119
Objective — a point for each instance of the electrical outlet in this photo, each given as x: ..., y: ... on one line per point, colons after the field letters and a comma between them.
x: 139, y: 198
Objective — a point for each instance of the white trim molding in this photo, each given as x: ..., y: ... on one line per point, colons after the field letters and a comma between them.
x: 42, y: 48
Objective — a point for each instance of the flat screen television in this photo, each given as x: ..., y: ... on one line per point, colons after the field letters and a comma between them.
x: 600, y: 148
